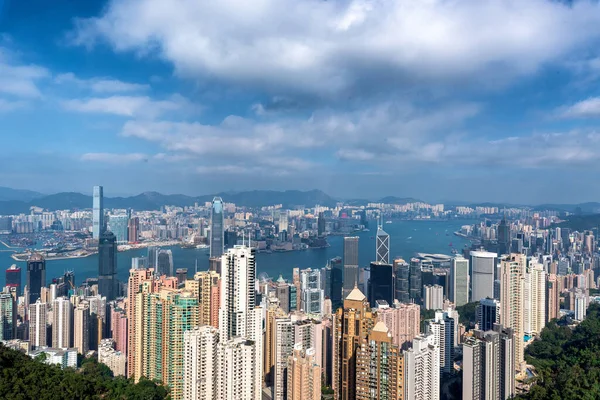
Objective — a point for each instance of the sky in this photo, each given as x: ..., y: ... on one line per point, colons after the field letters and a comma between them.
x: 471, y: 100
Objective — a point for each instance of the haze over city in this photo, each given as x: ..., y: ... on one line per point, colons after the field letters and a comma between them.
x: 351, y: 97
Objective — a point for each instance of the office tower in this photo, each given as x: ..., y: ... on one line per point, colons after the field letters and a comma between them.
x: 351, y: 327
x: 311, y: 294
x: 403, y: 321
x: 164, y: 263
x: 511, y: 301
x: 200, y: 366
x: 38, y: 319
x: 415, y: 281
x: 13, y: 278
x: 422, y: 370
x: 216, y: 228
x: 118, y: 225
x: 206, y: 285
x: 458, y: 292
x: 381, y: 283
x: 534, y: 299
x: 504, y: 241
x: 214, y: 264
x: 402, y: 288
x: 382, y: 246
x: 337, y: 282
x: 580, y: 305
x: 139, y: 262
x: 283, y: 221
x: 62, y: 310
x: 321, y: 224
x: 98, y: 319
x: 379, y: 366
x: 444, y: 328
x: 282, y: 292
x: 272, y: 313
x: 240, y: 324
x: 36, y: 276
x: 8, y: 314
x: 152, y: 257
x: 483, y: 267
x: 114, y: 359
x: 98, y: 225
x: 81, y: 324
x: 552, y: 297
x: 181, y: 275
x: 304, y: 375
x: 298, y: 292
x: 433, y: 297
x: 350, y: 264
x: 488, y: 314
x: 138, y: 278
x: 133, y: 229
x: 107, y: 266
x: 284, y: 345
x: 488, y: 365
x: 565, y: 238
x: 238, y: 370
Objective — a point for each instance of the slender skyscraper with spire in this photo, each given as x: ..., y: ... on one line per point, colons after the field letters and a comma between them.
x: 382, y: 245
x: 98, y: 212
x: 216, y: 228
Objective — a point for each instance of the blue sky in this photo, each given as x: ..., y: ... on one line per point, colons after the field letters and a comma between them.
x: 494, y: 100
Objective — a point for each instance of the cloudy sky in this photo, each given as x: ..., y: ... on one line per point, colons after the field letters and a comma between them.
x: 475, y: 100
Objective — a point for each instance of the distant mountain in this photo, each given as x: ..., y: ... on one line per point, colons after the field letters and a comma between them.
x: 580, y: 223
x: 155, y: 200
x: 585, y: 208
x: 398, y: 200
x: 8, y: 194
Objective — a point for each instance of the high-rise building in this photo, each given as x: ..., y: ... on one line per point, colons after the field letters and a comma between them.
x: 415, y: 281
x: 504, y: 241
x: 422, y: 370
x: 321, y: 224
x: 489, y: 365
x: 38, y: 319
x: 511, y: 301
x: 433, y: 297
x: 488, y: 314
x: 350, y: 264
x: 444, y: 328
x: 580, y: 305
x: 139, y: 262
x: 382, y: 246
x: 107, y: 265
x: 552, y: 298
x: 273, y: 312
x: 81, y: 328
x: 379, y: 365
x: 238, y: 370
x: 304, y: 375
x: 458, y: 292
x: 352, y: 324
x: 36, y: 276
x: 62, y: 311
x: 381, y: 283
x: 403, y: 321
x: 534, y: 301
x: 402, y: 288
x: 13, y: 278
x: 483, y: 267
x: 98, y: 225
x: 114, y: 359
x: 311, y: 294
x: 337, y: 282
x: 8, y: 314
x: 216, y: 228
x: 283, y: 348
x: 206, y: 285
x: 152, y: 257
x: 118, y: 225
x: 164, y: 263
x: 133, y: 229
x: 201, y: 363
x: 138, y: 278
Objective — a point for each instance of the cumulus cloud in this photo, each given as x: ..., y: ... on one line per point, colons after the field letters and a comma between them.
x: 129, y: 106
x: 588, y: 108
x: 18, y: 79
x: 101, y: 85
x: 114, y: 158
x: 330, y: 47
x: 6, y: 105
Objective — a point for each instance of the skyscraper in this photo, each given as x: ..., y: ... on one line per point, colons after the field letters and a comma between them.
x: 488, y: 314
x: 382, y: 246
x: 38, y: 319
x: 13, y: 278
x: 458, y: 292
x: 133, y: 229
x: 98, y: 225
x: 504, y: 241
x: 444, y: 328
x: 152, y: 257
x: 402, y: 289
x: 534, y: 301
x: 483, y: 266
x: 381, y: 284
x: 350, y: 264
x: 415, y: 280
x: 337, y: 282
x: 36, y: 276
x: 283, y: 349
x: 8, y: 314
x: 403, y: 321
x: 422, y: 369
x: 433, y: 297
x: 216, y: 228
x: 118, y: 225
x: 81, y: 327
x: 321, y: 224
x: 206, y: 285
x: 312, y: 296
x: 107, y: 265
x: 137, y: 278
x: 164, y: 260
x: 62, y: 311
x: 201, y: 363
x: 552, y: 297
x: 304, y: 375
x: 511, y: 301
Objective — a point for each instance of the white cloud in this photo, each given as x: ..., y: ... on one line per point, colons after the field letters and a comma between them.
x: 7, y: 106
x: 129, y: 106
x: 114, y: 158
x: 17, y: 79
x: 322, y: 47
x: 588, y: 108
x: 101, y: 85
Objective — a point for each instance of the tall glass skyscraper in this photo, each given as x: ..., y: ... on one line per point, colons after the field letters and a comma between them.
x: 350, y: 264
x: 382, y: 246
x: 216, y: 228
x: 117, y: 224
x: 98, y: 212
x: 107, y: 265
x: 164, y: 260
x: 36, y: 276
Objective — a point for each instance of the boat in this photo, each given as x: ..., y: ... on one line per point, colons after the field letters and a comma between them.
x: 408, y: 238
x: 366, y: 230
x: 202, y: 246
x: 388, y: 222
x: 454, y: 251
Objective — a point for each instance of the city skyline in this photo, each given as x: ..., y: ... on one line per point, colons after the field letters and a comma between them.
x: 515, y: 101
